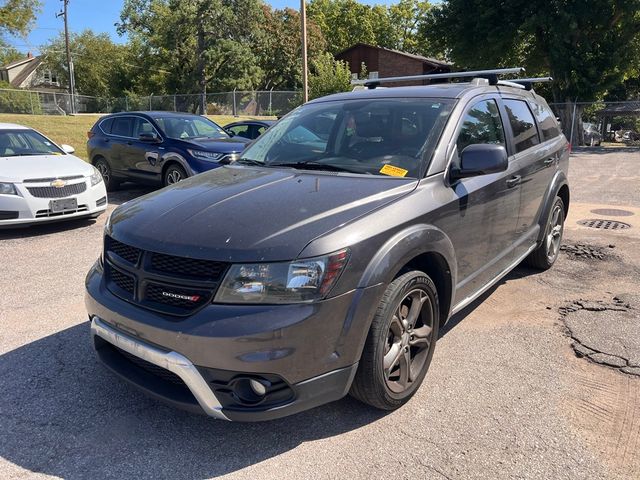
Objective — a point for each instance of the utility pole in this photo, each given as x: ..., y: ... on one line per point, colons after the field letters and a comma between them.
x: 72, y: 81
x: 305, y: 81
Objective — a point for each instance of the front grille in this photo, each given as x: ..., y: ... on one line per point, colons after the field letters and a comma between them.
x: 188, y: 267
x: 176, y: 297
x: 122, y: 280
x: 51, y: 213
x: 54, y: 192
x: 168, y: 284
x: 124, y: 251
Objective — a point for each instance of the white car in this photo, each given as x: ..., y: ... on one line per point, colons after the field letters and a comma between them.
x: 42, y: 182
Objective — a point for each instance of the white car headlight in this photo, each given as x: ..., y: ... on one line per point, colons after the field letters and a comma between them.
x: 8, y: 189
x: 203, y: 155
x: 96, y: 177
x: 287, y: 282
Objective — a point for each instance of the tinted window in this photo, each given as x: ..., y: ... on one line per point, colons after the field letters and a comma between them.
x: 142, y: 126
x: 522, y: 123
x: 481, y: 124
x: 105, y: 125
x: 241, y: 131
x: 122, y: 126
x: 190, y: 127
x: 546, y: 121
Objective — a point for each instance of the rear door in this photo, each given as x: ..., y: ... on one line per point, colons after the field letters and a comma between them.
x: 536, y: 160
x: 119, y: 138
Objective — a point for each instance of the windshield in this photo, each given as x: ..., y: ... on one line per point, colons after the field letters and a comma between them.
x: 185, y: 128
x: 386, y: 136
x: 15, y: 143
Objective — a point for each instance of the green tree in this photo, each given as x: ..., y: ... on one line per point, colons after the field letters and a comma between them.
x: 8, y: 54
x: 17, y: 16
x: 102, y: 68
x: 328, y: 76
x: 585, y: 46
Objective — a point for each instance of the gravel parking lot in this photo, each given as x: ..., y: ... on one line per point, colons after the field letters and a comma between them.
x: 538, y: 379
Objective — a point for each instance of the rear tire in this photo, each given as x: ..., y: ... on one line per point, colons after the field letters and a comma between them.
x: 173, y: 174
x: 107, y: 177
x: 547, y: 252
x: 400, y: 343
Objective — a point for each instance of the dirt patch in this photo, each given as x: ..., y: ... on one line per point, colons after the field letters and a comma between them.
x: 587, y: 252
x: 605, y: 332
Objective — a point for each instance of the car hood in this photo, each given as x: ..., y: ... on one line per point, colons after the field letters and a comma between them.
x: 247, y: 214
x: 219, y: 145
x: 17, y: 169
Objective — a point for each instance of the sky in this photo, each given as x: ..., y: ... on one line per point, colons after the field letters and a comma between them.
x: 98, y: 15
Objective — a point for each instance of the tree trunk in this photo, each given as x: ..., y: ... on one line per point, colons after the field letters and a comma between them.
x: 571, y: 122
x: 201, y: 65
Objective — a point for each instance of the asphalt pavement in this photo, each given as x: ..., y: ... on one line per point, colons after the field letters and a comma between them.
x: 510, y: 393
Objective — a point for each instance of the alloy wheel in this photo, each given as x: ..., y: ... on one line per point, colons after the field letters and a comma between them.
x: 554, y: 232
x: 174, y: 176
x: 409, y: 340
x: 103, y: 168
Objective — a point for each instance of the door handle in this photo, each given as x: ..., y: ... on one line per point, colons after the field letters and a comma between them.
x: 549, y: 161
x: 513, y: 181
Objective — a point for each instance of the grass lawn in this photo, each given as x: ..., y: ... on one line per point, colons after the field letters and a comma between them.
x: 72, y: 130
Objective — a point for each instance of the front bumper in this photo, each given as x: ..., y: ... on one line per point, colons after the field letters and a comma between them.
x: 307, y: 354
x: 26, y: 209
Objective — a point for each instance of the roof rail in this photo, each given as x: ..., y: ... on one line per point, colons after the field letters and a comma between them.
x: 491, y: 75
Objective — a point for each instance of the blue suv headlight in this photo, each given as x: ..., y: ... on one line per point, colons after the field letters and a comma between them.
x: 203, y: 155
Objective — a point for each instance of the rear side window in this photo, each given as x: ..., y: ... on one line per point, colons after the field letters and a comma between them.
x: 525, y: 133
x: 546, y: 121
x: 122, y: 126
x: 481, y: 124
x: 105, y: 125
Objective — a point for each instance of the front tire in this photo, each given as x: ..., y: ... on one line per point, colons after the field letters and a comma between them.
x: 547, y: 252
x: 400, y: 343
x: 173, y: 174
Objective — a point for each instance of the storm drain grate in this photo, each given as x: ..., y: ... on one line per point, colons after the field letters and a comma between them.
x: 604, y: 224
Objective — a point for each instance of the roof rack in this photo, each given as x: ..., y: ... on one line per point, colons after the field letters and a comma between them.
x: 491, y: 75
x: 527, y: 83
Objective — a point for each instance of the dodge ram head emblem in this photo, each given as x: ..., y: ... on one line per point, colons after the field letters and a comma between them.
x: 58, y: 183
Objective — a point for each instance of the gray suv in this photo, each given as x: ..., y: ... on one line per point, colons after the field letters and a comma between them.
x: 326, y: 259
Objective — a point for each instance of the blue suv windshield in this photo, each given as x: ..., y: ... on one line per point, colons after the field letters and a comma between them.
x: 388, y: 136
x: 188, y: 127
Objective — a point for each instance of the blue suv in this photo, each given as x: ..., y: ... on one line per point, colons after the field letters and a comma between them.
x: 158, y: 147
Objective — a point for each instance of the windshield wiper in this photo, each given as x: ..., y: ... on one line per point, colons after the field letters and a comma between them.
x: 249, y: 161
x: 313, y: 165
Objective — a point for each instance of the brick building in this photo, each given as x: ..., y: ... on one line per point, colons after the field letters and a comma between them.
x: 384, y: 62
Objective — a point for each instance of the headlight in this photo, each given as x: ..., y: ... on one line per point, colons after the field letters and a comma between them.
x: 96, y: 177
x: 8, y: 189
x: 201, y: 154
x: 291, y: 282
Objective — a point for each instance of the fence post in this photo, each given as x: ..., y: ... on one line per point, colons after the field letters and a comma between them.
x: 235, y: 112
x: 573, y: 120
x: 150, y: 102
x: 270, y: 98
x: 31, y: 100
x: 126, y: 103
x: 174, y: 103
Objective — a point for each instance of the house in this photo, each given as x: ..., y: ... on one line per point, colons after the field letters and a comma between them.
x: 384, y: 62
x: 30, y: 73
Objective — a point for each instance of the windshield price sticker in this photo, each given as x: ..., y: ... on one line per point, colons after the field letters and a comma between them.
x: 393, y: 171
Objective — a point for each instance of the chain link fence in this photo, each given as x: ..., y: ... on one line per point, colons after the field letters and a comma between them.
x: 255, y: 103
x: 595, y: 123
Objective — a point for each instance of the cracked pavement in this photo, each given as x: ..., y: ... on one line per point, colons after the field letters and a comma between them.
x: 506, y: 395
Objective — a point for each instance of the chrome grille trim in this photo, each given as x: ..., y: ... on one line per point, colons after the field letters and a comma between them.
x: 53, y: 192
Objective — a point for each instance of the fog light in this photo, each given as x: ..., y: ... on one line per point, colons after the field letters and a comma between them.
x: 257, y: 387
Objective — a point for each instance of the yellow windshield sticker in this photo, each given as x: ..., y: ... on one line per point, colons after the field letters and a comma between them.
x: 393, y: 171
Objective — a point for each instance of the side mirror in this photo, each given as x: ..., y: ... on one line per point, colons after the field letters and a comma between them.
x: 149, y: 137
x: 480, y: 159
x: 229, y: 132
x: 67, y: 148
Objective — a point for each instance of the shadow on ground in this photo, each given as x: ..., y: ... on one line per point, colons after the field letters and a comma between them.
x: 63, y: 414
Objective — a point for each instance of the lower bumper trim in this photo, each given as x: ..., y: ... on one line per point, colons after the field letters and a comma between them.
x: 172, y: 361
